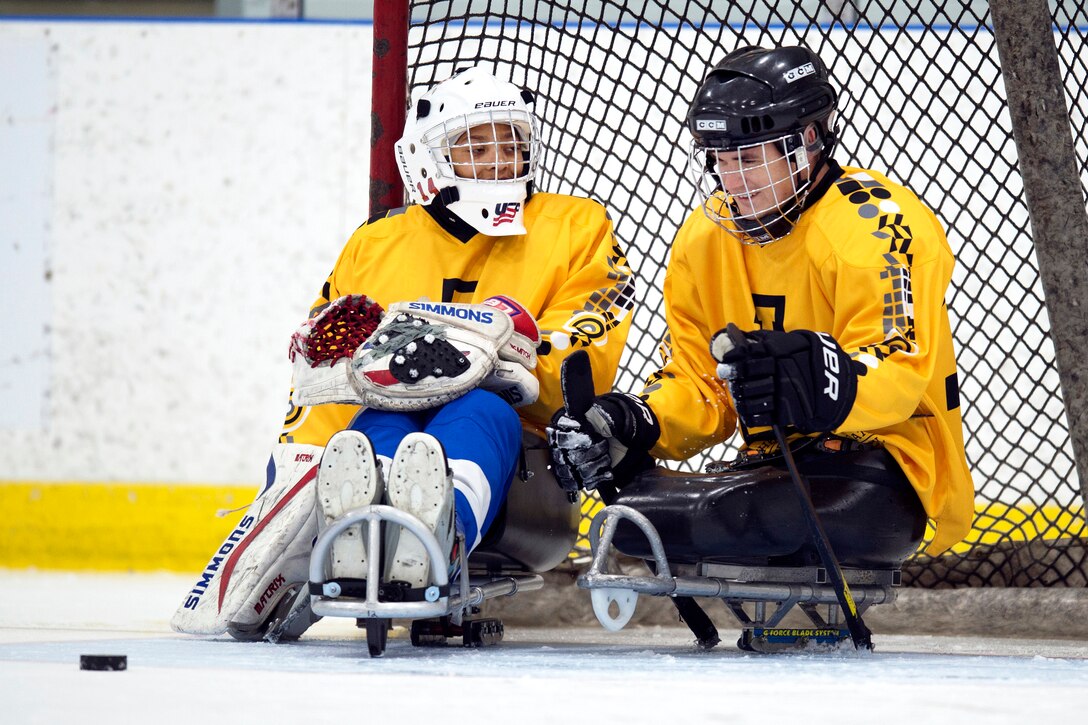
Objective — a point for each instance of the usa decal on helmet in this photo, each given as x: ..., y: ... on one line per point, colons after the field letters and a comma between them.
x: 505, y: 213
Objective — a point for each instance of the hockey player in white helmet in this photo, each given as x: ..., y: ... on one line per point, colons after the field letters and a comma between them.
x: 470, y: 149
x: 471, y: 297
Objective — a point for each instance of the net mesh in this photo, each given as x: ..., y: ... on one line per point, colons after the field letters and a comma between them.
x: 922, y: 98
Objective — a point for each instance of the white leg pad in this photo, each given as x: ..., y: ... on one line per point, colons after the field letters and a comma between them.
x: 266, y: 552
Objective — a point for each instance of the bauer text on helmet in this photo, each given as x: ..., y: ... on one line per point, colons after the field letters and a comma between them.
x: 762, y: 125
x: 472, y: 144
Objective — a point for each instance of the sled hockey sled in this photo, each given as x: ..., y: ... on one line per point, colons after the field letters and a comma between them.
x: 740, y: 538
x: 534, y: 533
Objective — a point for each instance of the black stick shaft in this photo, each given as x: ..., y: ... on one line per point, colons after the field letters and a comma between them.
x: 859, y: 633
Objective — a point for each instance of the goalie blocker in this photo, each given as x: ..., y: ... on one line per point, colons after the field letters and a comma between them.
x: 421, y: 355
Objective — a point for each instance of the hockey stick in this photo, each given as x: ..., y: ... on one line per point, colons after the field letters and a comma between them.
x: 859, y: 633
x: 576, y: 381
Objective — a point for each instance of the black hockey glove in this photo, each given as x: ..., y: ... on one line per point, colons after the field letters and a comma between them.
x: 800, y: 378
x: 579, y: 454
x: 609, y: 442
x: 590, y: 436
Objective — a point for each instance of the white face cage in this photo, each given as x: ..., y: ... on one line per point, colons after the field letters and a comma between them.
x: 754, y: 192
x: 499, y: 146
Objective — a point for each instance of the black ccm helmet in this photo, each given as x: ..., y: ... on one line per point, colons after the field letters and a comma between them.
x: 755, y: 96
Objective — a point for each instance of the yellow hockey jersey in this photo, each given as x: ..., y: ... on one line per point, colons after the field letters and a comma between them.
x: 867, y: 263
x: 568, y: 271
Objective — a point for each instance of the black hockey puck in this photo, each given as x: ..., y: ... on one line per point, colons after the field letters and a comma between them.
x: 103, y: 662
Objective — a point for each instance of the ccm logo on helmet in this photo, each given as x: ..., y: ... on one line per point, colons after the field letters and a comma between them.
x: 796, y: 74
x: 709, y: 124
x: 495, y: 104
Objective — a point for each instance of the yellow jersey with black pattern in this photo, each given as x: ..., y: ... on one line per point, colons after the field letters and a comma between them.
x: 869, y: 264
x: 568, y: 271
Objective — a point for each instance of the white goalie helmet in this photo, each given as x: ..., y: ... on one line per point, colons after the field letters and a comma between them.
x: 472, y: 141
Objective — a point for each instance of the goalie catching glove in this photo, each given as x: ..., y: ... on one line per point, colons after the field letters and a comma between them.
x: 422, y: 355
x: 322, y: 349
x: 799, y: 378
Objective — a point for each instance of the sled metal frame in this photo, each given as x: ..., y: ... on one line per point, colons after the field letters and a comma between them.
x: 769, y: 593
x: 471, y: 591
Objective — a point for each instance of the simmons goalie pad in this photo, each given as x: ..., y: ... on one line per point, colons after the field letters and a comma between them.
x: 264, y: 556
x: 425, y: 354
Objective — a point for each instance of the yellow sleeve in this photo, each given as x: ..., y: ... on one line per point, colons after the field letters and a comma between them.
x: 591, y: 310
x: 692, y: 404
x: 891, y: 316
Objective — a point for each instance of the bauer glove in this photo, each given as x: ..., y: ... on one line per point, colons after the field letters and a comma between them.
x: 800, y: 378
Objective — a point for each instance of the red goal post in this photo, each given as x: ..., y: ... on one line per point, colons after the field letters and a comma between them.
x: 388, y: 92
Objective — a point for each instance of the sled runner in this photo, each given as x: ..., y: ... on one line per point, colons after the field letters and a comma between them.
x: 534, y: 534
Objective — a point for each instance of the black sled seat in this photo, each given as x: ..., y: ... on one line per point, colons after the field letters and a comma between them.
x: 872, y: 517
x: 537, y: 526
x: 741, y: 536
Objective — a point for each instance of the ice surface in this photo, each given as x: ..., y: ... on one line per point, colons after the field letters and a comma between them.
x: 543, y: 675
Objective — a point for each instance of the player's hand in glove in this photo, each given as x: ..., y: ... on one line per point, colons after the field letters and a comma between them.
x: 799, y: 378
x: 602, y: 439
x: 579, y: 453
x: 512, y: 377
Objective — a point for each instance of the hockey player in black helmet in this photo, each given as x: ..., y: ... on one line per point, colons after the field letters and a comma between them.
x: 802, y: 295
x: 763, y: 128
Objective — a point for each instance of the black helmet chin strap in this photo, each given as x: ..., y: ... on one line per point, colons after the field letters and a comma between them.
x: 816, y: 192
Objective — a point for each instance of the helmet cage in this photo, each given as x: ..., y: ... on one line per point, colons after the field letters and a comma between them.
x: 514, y: 134
x: 759, y: 198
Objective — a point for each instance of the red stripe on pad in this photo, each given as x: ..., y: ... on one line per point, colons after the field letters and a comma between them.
x: 228, y: 568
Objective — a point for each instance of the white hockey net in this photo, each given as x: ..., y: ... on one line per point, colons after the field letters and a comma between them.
x: 922, y: 97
